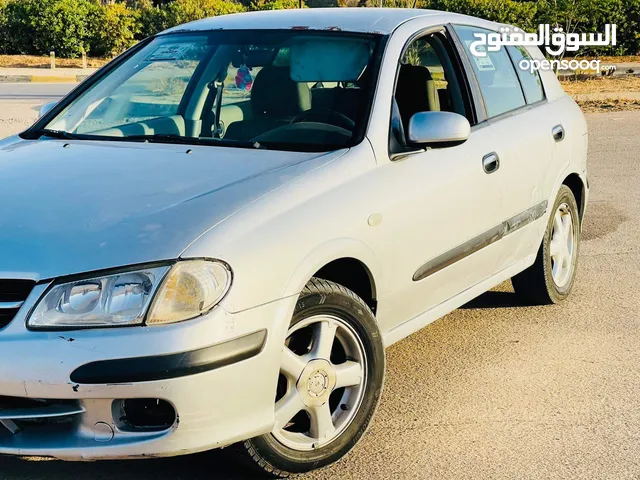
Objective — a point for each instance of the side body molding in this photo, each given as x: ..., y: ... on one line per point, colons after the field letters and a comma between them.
x: 484, y: 240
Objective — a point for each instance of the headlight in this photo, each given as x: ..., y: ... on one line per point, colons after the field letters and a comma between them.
x: 179, y: 292
x: 189, y: 290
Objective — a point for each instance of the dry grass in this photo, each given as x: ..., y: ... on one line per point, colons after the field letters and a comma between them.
x: 34, y: 61
x: 614, y: 105
x: 614, y: 60
x: 602, y: 85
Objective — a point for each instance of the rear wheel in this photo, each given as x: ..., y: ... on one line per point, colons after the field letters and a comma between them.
x: 551, y: 277
x: 330, y: 381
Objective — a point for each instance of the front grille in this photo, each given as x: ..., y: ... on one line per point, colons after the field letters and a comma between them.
x: 12, y: 294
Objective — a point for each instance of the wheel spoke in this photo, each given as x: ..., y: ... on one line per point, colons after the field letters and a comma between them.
x: 568, y: 230
x: 291, y: 364
x: 323, y: 337
x: 321, y: 422
x: 557, y: 265
x: 557, y: 220
x: 287, y: 407
x: 348, y: 374
x: 556, y: 247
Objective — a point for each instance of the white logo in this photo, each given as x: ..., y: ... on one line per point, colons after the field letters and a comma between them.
x: 569, y: 42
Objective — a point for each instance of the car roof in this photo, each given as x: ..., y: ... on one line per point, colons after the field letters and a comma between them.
x: 361, y: 20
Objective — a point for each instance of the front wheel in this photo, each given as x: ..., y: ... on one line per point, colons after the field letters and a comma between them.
x: 331, y: 377
x: 551, y: 277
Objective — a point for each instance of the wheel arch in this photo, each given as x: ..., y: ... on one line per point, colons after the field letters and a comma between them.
x: 577, y: 186
x: 354, y: 275
x: 347, y: 262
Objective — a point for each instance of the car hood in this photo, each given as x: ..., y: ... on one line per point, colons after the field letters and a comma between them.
x: 68, y: 207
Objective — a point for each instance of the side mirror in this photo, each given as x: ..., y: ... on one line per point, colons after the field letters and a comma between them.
x: 46, y: 108
x: 438, y: 129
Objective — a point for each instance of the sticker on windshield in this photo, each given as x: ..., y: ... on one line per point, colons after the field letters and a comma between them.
x: 483, y: 63
x: 169, y: 52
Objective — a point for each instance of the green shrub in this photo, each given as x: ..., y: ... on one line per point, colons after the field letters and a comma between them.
x: 3, y: 27
x: 631, y: 27
x: 274, y: 4
x: 39, y: 26
x: 113, y: 28
x: 182, y: 11
x: 520, y: 14
x: 151, y: 20
x: 591, y: 16
x: 70, y: 26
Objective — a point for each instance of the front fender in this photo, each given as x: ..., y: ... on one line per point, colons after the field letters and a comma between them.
x: 326, y: 253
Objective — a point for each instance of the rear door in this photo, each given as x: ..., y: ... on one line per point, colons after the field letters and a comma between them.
x: 523, y: 121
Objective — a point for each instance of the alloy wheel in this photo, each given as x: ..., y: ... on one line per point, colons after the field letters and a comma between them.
x: 322, y: 382
x: 562, y: 245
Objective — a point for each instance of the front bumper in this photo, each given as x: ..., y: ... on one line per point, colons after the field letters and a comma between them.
x: 219, y: 372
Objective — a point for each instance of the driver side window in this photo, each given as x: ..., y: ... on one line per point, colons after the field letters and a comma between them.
x: 426, y: 82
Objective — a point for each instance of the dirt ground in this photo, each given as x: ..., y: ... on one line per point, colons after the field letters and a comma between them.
x: 35, y: 61
x: 602, y: 85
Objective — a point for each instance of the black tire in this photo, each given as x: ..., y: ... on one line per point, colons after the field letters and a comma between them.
x: 536, y: 285
x: 273, y: 458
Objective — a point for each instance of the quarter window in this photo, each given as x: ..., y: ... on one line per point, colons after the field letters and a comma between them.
x: 530, y: 80
x: 496, y: 75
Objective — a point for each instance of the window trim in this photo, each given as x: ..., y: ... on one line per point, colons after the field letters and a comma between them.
x: 517, y: 69
x: 477, y: 99
x: 458, y: 65
x: 508, y: 113
x: 464, y: 82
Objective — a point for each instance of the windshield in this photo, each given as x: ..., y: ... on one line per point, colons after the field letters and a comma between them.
x: 291, y: 90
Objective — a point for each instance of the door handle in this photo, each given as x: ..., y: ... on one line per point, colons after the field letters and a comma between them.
x: 558, y: 133
x: 490, y: 162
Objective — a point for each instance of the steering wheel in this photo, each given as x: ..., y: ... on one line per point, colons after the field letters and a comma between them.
x: 325, y: 115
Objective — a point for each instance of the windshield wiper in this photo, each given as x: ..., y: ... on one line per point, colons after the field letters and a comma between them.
x: 173, y: 138
x: 151, y: 138
x: 159, y: 138
x: 41, y: 132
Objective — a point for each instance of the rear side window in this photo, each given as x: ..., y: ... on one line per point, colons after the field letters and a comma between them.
x: 530, y: 80
x: 496, y: 75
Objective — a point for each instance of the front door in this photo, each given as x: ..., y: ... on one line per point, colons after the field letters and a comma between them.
x: 442, y: 207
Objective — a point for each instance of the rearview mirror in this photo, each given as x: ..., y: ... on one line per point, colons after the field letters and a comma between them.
x: 438, y: 129
x: 46, y: 108
x: 253, y: 58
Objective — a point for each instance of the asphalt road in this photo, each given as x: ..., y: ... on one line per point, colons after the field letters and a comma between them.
x: 20, y: 103
x: 46, y: 92
x: 492, y: 390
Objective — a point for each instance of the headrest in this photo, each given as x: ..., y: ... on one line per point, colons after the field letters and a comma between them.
x: 275, y: 94
x: 413, y: 76
x: 415, y: 91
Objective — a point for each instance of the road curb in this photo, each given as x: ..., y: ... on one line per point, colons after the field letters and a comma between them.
x: 42, y: 78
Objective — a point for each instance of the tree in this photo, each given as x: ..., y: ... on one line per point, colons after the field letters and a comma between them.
x: 182, y: 11
x: 114, y: 27
x: 40, y: 26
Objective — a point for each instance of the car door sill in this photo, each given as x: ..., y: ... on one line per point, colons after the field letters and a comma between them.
x: 425, y: 318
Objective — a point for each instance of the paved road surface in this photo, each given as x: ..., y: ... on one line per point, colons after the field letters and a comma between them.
x: 20, y: 103
x: 495, y: 390
x: 46, y: 92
